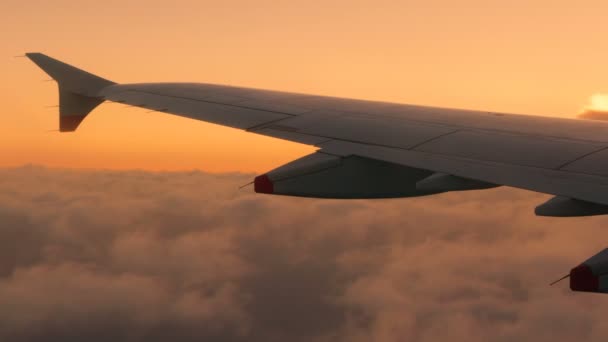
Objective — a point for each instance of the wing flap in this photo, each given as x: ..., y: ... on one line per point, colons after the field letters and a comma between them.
x: 579, y: 186
x: 516, y: 149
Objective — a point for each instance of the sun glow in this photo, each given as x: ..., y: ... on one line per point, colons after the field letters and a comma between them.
x: 598, y: 103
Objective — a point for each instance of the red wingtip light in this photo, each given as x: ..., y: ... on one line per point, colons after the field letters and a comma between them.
x: 263, y: 185
x: 582, y: 279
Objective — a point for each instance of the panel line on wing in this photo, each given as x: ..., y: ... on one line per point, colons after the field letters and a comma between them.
x: 581, y: 157
x: 207, y: 101
x: 266, y: 124
x: 434, y: 138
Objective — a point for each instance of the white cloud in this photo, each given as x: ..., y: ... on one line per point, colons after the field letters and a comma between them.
x: 109, y: 255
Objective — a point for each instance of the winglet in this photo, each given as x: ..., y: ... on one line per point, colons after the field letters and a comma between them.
x: 78, y: 90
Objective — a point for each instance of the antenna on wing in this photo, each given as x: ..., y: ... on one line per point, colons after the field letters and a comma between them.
x: 246, y: 185
x: 560, y: 279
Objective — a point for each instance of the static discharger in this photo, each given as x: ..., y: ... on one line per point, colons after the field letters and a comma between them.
x: 246, y: 185
x: 560, y: 279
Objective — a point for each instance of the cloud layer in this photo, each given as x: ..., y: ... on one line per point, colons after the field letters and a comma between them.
x: 129, y: 256
x: 593, y: 115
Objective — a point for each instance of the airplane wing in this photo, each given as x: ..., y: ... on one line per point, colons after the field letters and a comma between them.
x: 371, y: 149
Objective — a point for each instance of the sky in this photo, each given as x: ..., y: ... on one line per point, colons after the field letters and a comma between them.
x: 534, y: 57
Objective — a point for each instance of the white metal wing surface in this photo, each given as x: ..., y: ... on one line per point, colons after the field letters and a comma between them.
x: 373, y: 149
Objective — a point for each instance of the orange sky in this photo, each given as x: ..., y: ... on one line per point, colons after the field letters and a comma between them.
x: 538, y: 57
